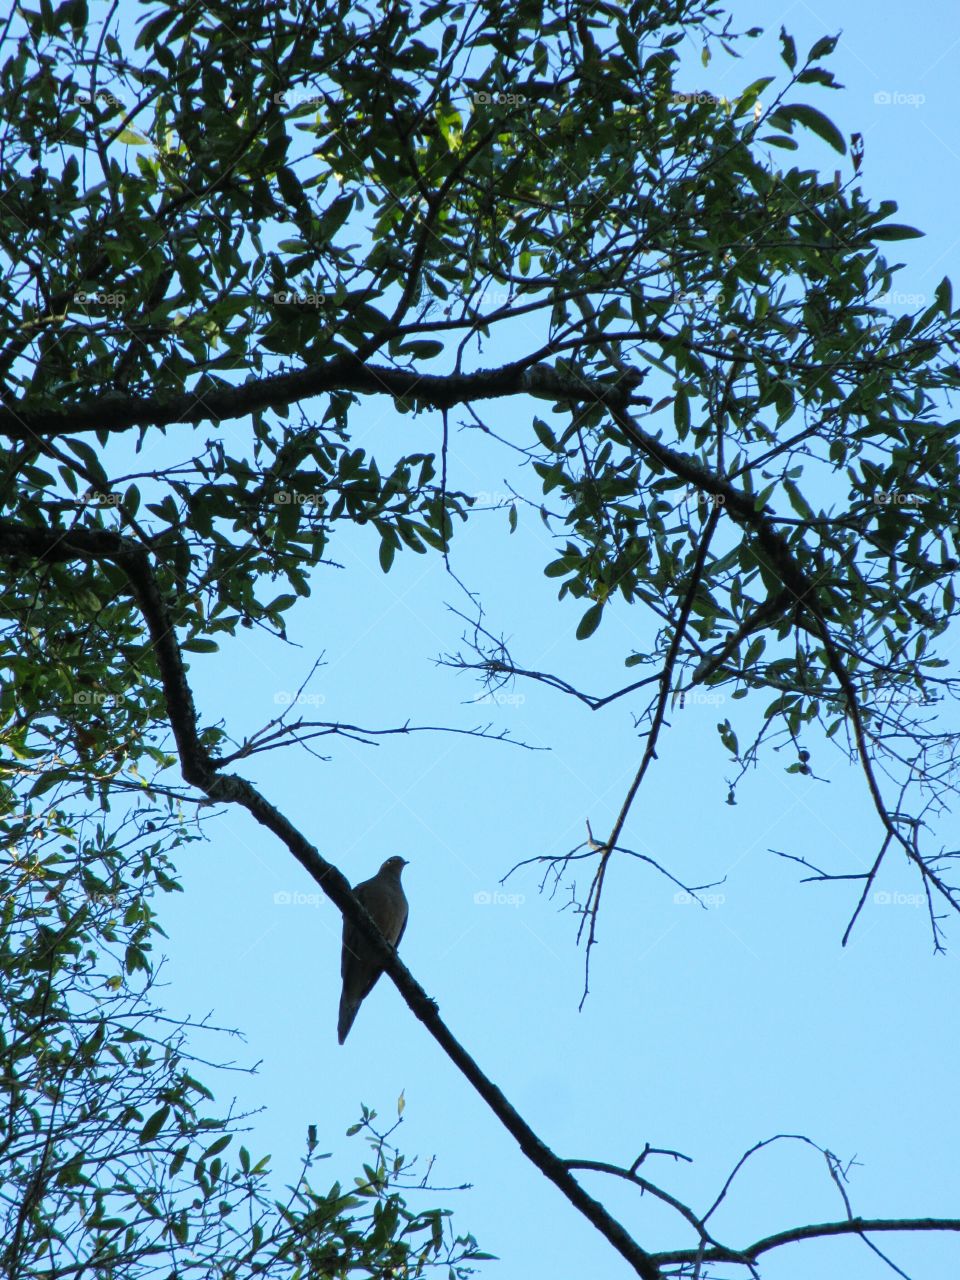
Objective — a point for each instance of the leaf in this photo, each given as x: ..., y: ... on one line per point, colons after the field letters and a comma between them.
x: 681, y: 411
x: 729, y: 738
x: 388, y: 549
x: 421, y: 350
x: 154, y: 1125
x: 545, y: 435
x: 289, y: 186
x: 823, y: 48
x: 89, y: 458
x: 200, y: 645
x: 797, y: 500
x: 895, y: 231
x: 817, y: 75
x: 788, y: 51
x: 811, y: 119
x: 335, y: 217
x: 590, y: 621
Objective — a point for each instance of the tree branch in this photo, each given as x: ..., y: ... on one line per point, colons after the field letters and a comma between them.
x: 201, y: 771
x: 815, y: 1231
x: 345, y: 372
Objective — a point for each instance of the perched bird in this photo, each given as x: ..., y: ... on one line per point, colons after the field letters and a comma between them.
x: 383, y: 897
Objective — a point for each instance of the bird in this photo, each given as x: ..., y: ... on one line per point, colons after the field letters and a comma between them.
x: 384, y: 899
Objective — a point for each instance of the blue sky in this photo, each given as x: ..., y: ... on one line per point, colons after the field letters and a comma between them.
x: 705, y: 1031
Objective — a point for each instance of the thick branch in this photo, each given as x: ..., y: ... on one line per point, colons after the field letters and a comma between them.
x: 850, y: 1226
x: 202, y: 771
x: 112, y: 412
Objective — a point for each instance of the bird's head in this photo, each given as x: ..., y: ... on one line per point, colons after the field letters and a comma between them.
x: 393, y: 866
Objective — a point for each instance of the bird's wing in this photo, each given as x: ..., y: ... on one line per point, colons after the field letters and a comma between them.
x: 359, y: 966
x: 403, y: 929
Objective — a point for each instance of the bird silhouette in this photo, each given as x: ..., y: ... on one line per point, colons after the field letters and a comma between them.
x: 360, y: 967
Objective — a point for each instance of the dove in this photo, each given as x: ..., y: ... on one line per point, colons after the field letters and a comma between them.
x: 384, y: 899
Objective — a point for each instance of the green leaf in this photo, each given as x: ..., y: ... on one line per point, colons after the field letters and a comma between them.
x: 823, y: 48
x: 590, y: 621
x: 729, y: 738
x: 797, y: 500
x: 154, y: 1125
x: 200, y: 645
x: 421, y: 350
x: 895, y: 231
x: 545, y: 435
x: 681, y: 411
x: 811, y: 119
x: 388, y: 549
x: 335, y: 216
x: 788, y: 49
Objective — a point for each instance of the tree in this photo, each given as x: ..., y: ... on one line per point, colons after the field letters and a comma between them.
x: 256, y: 209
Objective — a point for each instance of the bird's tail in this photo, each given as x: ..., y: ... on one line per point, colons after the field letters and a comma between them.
x: 348, y: 1011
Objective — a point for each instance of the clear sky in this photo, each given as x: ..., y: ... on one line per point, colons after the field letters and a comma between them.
x: 705, y: 1031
